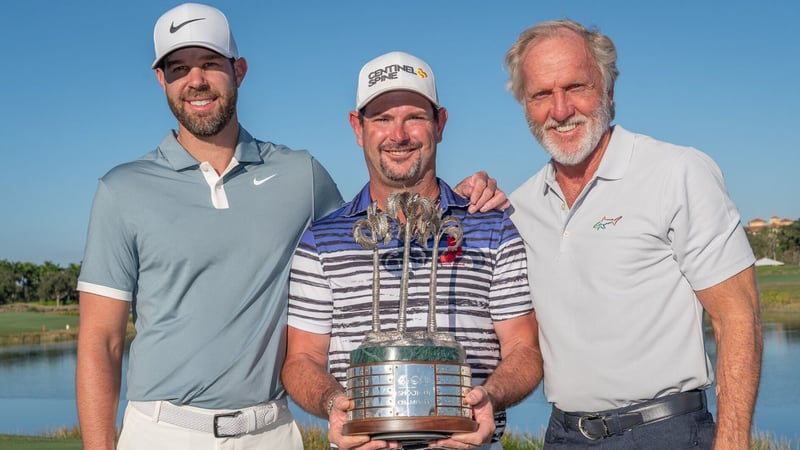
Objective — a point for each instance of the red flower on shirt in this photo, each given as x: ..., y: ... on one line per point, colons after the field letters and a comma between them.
x: 452, y: 252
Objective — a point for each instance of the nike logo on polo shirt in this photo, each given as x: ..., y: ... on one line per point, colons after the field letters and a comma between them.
x: 258, y: 182
x: 173, y: 28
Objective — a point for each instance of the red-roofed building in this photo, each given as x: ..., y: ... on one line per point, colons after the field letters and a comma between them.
x: 774, y: 223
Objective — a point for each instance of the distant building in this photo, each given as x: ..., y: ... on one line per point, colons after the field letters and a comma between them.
x: 774, y: 223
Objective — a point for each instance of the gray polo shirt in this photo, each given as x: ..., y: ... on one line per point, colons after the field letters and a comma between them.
x: 205, y: 260
x: 613, y: 277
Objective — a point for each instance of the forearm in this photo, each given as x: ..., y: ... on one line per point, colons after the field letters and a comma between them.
x: 97, y: 386
x: 309, y: 384
x: 739, y: 347
x: 733, y: 308
x: 515, y: 377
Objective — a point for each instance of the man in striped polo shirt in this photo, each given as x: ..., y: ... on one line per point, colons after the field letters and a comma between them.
x: 483, y: 294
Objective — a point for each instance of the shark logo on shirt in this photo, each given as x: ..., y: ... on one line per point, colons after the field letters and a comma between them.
x: 605, y: 221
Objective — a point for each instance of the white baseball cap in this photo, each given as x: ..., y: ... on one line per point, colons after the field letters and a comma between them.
x: 395, y: 71
x: 193, y: 25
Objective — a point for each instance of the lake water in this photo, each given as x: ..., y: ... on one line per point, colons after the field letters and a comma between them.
x: 37, y: 392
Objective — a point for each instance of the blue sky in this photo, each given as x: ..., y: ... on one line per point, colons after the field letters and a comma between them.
x: 80, y: 96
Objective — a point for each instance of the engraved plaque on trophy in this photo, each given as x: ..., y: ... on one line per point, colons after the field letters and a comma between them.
x: 408, y: 386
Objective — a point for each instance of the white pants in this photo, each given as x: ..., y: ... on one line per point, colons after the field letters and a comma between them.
x: 142, y: 432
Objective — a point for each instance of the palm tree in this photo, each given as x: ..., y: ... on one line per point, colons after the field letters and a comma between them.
x: 367, y: 233
x: 418, y: 212
x: 442, y: 226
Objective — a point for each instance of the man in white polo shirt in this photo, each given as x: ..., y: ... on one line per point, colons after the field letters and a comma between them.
x: 629, y: 240
x: 196, y: 237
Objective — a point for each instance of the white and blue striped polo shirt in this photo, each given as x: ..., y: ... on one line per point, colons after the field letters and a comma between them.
x: 330, y: 290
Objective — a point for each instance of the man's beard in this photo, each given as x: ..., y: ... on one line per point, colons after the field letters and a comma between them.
x: 596, y: 126
x: 206, y: 125
x: 410, y: 174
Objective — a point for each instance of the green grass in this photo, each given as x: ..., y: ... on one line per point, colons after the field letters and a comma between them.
x: 315, y: 438
x: 34, y: 322
x: 9, y: 442
x: 522, y: 441
x: 766, y: 441
x: 33, y: 327
x: 779, y: 287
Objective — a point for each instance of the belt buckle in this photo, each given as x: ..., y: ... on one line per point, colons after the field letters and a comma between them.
x: 588, y: 435
x: 217, y: 434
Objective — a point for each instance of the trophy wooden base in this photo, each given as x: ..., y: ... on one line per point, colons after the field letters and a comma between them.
x: 411, y: 428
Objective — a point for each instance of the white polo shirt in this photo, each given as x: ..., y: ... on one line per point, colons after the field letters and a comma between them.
x: 613, y: 277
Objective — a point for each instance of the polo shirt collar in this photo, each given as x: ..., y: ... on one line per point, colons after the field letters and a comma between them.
x: 617, y: 158
x: 448, y: 199
x: 247, y: 150
x: 178, y: 158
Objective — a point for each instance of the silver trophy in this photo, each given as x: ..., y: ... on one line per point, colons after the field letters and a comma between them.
x: 408, y: 386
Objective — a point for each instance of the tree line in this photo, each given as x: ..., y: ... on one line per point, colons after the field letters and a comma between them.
x: 24, y: 282
x: 778, y: 243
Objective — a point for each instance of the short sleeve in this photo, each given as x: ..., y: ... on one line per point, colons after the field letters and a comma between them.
x: 310, y: 297
x: 707, y: 237
x: 109, y: 267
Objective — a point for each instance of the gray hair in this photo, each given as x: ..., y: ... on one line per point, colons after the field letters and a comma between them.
x: 600, y: 46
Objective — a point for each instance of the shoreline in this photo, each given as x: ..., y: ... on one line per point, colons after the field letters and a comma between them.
x: 65, y: 333
x: 71, y: 335
x: 789, y: 311
x: 38, y: 338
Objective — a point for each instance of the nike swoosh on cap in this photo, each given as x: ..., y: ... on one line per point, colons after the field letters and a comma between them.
x: 258, y: 182
x: 173, y: 28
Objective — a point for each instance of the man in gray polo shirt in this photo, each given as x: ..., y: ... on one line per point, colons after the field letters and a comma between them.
x: 196, y: 237
x: 629, y: 240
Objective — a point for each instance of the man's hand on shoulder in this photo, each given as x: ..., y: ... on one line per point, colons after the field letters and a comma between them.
x: 483, y: 193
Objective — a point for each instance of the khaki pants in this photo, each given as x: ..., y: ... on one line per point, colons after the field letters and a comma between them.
x: 142, y: 432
